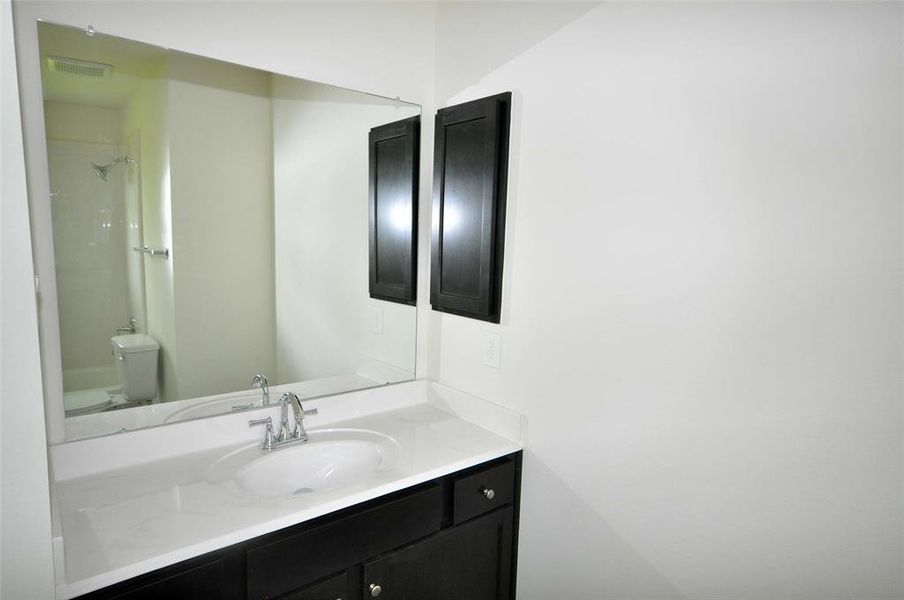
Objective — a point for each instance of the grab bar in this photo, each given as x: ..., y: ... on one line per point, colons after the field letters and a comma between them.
x: 164, y: 252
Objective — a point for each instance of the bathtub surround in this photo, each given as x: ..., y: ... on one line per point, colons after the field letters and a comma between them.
x: 96, y: 222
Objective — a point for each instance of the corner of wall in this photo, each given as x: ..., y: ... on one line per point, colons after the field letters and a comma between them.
x: 26, y: 567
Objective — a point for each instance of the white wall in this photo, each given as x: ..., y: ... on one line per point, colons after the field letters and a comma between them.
x: 222, y: 217
x: 325, y: 317
x: 26, y: 569
x: 702, y: 306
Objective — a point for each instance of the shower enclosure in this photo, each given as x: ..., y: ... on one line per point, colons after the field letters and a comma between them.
x: 96, y: 206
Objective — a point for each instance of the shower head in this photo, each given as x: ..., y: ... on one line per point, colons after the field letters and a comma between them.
x: 103, y: 171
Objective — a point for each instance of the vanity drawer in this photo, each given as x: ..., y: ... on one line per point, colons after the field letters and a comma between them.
x: 293, y: 561
x: 483, y: 491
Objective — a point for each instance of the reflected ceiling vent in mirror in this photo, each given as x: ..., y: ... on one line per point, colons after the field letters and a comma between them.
x: 79, y: 68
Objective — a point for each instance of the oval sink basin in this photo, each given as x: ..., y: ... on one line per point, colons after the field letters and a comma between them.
x: 331, y: 459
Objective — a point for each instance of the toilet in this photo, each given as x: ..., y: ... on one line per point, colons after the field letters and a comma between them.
x: 136, y: 366
x: 85, y: 402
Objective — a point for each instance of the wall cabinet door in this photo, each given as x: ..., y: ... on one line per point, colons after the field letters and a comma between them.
x: 469, y: 181
x: 472, y: 561
x: 394, y: 163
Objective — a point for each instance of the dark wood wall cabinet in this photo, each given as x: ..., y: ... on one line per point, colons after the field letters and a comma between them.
x: 453, y: 538
x: 393, y: 181
x: 469, y: 185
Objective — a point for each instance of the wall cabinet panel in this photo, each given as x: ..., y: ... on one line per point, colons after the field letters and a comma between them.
x: 393, y: 185
x: 469, y: 186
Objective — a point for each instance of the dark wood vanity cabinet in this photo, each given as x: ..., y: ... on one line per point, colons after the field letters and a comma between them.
x: 472, y: 561
x: 453, y: 538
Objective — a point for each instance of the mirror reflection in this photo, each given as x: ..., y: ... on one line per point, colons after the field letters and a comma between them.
x: 210, y: 224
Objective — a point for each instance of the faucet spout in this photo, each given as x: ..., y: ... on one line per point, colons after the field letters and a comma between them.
x: 260, y: 380
x: 298, y: 433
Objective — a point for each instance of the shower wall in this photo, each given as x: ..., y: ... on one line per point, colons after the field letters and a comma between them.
x: 89, y: 237
x: 91, y: 240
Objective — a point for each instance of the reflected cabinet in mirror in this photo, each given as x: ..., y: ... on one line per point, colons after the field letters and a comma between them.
x: 211, y: 223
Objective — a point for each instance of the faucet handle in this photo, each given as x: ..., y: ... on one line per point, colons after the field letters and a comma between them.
x: 268, y: 437
x: 310, y: 412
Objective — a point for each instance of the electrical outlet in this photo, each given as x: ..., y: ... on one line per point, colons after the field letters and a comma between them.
x: 492, y: 350
x: 377, y: 319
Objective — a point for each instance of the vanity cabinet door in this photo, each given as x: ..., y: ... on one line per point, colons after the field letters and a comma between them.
x: 469, y: 562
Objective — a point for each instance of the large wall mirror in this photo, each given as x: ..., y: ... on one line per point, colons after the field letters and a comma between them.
x: 210, y: 223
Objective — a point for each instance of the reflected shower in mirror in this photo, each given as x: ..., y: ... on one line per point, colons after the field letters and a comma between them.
x: 210, y: 223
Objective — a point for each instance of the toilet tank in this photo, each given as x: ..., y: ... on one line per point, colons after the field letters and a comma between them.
x: 136, y: 365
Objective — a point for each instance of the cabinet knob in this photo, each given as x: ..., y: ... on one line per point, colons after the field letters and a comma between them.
x: 375, y: 590
x: 489, y: 493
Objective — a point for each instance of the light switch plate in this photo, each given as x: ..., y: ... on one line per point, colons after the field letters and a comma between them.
x: 377, y: 319
x: 492, y: 350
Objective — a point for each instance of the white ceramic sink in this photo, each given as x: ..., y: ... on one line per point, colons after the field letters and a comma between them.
x: 332, y: 458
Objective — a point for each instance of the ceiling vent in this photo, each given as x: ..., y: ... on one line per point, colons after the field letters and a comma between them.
x: 79, y: 68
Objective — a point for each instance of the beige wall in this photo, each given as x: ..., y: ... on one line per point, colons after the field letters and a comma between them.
x: 222, y: 184
x: 325, y: 317
x: 147, y: 115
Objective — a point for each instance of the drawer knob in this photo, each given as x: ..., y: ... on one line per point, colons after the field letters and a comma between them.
x: 375, y: 590
x: 489, y: 493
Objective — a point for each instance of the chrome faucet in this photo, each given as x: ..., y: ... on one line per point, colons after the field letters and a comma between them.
x: 298, y: 433
x: 268, y: 437
x: 285, y: 436
x: 260, y: 380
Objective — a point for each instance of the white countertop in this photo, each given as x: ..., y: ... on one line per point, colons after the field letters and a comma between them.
x: 123, y: 522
